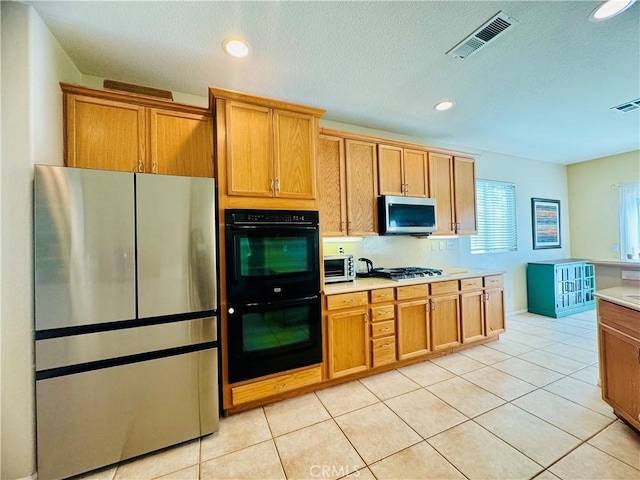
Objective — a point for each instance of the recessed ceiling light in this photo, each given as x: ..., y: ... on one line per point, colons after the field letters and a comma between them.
x: 235, y: 47
x: 446, y: 105
x: 609, y: 9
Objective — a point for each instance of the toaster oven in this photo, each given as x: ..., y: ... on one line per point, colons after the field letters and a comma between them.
x: 339, y: 268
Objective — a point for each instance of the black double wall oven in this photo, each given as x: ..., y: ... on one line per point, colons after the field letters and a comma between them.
x: 273, y: 291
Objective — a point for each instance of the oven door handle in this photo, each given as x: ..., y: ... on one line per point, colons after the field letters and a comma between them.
x: 269, y: 226
x: 239, y: 307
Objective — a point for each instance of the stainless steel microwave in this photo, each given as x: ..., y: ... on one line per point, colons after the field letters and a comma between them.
x: 339, y: 268
x: 406, y: 215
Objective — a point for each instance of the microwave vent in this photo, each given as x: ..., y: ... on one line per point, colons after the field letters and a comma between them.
x: 628, y: 106
x: 491, y: 30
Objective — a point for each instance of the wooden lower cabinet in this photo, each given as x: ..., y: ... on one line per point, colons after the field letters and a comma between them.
x: 413, y: 328
x: 348, y: 333
x: 494, y: 311
x: 445, y: 322
x: 383, y: 327
x: 619, y: 341
x: 472, y: 315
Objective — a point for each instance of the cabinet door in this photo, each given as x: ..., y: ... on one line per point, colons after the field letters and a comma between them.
x: 415, y: 173
x: 441, y: 188
x: 494, y: 311
x: 620, y: 373
x: 472, y: 316
x: 445, y: 324
x: 104, y: 134
x: 413, y: 328
x: 249, y: 150
x: 295, y: 170
x: 465, y: 195
x: 390, y: 170
x: 362, y: 191
x: 180, y: 143
x: 348, y: 342
x: 333, y: 201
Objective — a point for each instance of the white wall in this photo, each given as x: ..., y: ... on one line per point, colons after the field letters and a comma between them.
x: 32, y: 65
x: 532, y: 179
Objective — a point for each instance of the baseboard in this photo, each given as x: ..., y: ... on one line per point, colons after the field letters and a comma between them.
x: 516, y: 312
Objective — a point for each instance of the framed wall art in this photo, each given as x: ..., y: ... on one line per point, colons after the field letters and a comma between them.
x: 545, y: 218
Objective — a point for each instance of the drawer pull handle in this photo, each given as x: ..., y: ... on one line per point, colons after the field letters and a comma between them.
x: 385, y: 329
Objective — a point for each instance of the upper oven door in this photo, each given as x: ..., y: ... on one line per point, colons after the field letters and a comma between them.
x: 271, y: 262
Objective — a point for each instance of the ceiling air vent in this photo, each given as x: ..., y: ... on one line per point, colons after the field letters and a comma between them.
x: 487, y: 32
x: 628, y: 106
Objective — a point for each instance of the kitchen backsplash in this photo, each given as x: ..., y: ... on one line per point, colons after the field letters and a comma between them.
x: 400, y: 251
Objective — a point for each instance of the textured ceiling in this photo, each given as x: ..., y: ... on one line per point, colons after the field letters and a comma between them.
x: 543, y: 90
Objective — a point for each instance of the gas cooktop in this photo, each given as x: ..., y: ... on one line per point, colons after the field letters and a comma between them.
x: 405, y: 273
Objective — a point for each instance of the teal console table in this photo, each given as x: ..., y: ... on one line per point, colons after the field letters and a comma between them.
x: 557, y: 288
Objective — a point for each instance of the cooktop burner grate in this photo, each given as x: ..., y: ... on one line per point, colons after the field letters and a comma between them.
x: 401, y: 273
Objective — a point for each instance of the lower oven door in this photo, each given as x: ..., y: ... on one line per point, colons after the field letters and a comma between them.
x: 273, y: 337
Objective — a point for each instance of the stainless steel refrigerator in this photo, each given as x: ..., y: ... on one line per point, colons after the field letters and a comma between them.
x: 125, y: 315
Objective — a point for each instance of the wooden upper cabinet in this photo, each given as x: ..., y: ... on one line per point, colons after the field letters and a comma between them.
x: 464, y: 181
x: 104, y: 134
x: 294, y: 166
x: 267, y: 147
x: 109, y: 130
x: 362, y: 191
x: 390, y: 174
x: 249, y: 142
x: 333, y: 196
x: 181, y: 143
x: 452, y: 183
x: 415, y: 173
x: 441, y: 189
x: 402, y: 171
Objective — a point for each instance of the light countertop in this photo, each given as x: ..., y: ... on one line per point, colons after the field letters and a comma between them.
x: 625, y: 295
x: 363, y: 284
x: 631, y: 264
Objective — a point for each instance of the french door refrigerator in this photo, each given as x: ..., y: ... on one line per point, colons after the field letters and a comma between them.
x: 125, y: 315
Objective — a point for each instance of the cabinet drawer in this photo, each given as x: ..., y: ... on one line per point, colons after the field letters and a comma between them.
x: 471, y: 283
x: 275, y: 385
x: 382, y: 313
x: 412, y: 291
x: 381, y: 295
x: 383, y: 351
x: 493, y: 281
x: 344, y: 300
x: 623, y: 319
x: 381, y: 329
x: 440, y: 288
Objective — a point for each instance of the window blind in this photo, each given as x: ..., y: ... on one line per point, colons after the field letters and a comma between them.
x: 496, y: 217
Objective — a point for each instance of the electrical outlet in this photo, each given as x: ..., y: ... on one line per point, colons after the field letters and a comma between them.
x: 631, y: 274
x: 449, y: 244
x: 615, y: 248
x: 340, y: 249
x: 441, y: 244
x: 434, y: 245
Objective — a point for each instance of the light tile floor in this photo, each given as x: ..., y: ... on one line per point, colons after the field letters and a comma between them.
x: 526, y: 406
